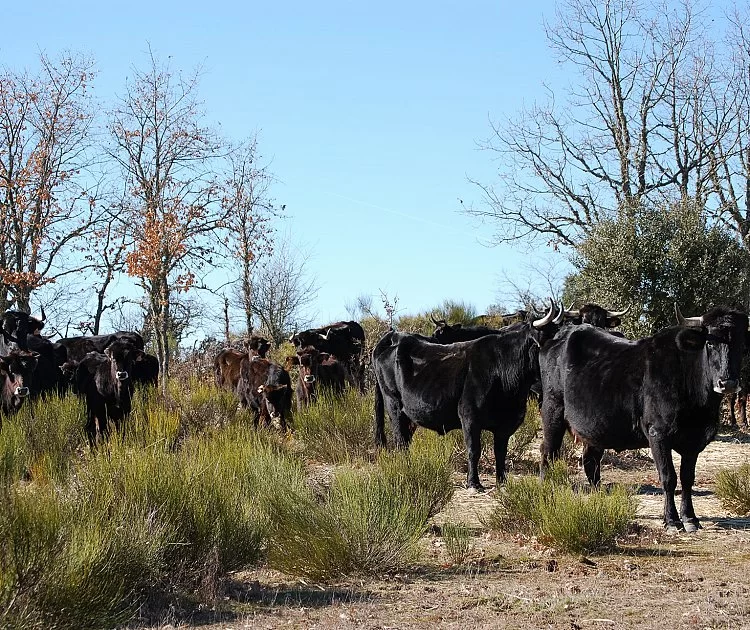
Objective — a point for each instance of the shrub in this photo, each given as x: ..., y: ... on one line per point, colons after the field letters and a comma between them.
x: 733, y: 489
x: 365, y: 526
x: 560, y: 516
x: 457, y: 538
x: 424, y: 471
x: 336, y: 428
x: 41, y: 439
x: 369, y: 522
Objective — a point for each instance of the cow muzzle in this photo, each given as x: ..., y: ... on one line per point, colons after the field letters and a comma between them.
x: 122, y: 376
x: 309, y: 378
x: 727, y: 387
x: 21, y: 392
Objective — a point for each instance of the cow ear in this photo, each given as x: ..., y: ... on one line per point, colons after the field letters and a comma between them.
x: 292, y: 360
x: 691, y: 339
x: 324, y: 356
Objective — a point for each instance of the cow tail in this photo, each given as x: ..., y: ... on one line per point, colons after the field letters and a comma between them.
x: 380, y: 440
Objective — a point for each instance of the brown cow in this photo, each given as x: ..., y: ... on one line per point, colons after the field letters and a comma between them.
x: 318, y: 369
x: 227, y: 368
x: 227, y: 362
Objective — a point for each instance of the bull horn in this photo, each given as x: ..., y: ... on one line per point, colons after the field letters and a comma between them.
x: 437, y: 322
x: 570, y: 312
x: 687, y: 321
x: 560, y: 315
x: 540, y: 323
x: 617, y: 313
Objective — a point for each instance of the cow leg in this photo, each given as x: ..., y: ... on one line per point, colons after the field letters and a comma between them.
x: 742, y: 400
x: 733, y: 400
x: 472, y: 438
x: 553, y: 427
x: 400, y: 423
x: 592, y: 463
x: 687, y: 479
x: 663, y: 460
x: 500, y: 446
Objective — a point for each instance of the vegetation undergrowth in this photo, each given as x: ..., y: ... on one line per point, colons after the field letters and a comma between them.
x: 733, y: 489
x: 560, y: 516
x: 336, y: 428
x: 369, y: 521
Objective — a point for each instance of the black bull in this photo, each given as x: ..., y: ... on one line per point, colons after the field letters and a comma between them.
x: 662, y: 392
x: 474, y: 385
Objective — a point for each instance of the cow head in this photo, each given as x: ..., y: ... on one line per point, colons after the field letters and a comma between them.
x: 444, y: 332
x: 257, y: 346
x: 545, y: 328
x: 309, y: 361
x: 122, y: 355
x: 595, y: 315
x: 16, y: 326
x: 720, y: 333
x: 16, y: 371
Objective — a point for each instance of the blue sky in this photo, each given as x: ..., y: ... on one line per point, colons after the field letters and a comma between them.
x: 369, y: 112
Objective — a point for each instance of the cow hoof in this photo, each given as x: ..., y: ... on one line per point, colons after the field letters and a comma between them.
x: 692, y: 525
x: 475, y: 489
x: 674, y: 527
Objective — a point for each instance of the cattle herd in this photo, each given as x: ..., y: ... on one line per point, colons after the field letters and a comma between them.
x: 663, y: 392
x: 103, y: 369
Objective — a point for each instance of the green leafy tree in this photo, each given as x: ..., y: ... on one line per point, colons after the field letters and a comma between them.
x: 654, y: 257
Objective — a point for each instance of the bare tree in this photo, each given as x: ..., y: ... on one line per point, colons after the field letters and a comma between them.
x: 249, y: 211
x: 167, y: 159
x: 631, y: 130
x: 282, y: 292
x: 47, y: 191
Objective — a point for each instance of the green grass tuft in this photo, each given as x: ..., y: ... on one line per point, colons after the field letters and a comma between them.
x: 457, y: 539
x: 336, y: 429
x: 558, y: 515
x: 733, y: 489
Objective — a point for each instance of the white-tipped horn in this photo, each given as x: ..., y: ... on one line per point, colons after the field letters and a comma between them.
x: 687, y: 321
x: 540, y: 323
x: 617, y: 313
x: 558, y: 320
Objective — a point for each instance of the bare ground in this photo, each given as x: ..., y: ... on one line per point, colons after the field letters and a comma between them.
x: 655, y: 580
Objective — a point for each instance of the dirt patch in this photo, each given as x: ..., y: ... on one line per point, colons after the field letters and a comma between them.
x: 655, y: 580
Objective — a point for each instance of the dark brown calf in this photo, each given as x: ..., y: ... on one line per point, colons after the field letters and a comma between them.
x: 317, y: 369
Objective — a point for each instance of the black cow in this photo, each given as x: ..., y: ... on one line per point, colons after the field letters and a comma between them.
x: 16, y: 374
x: 446, y: 333
x: 48, y: 376
x: 317, y: 370
x: 473, y: 385
x: 104, y: 379
x: 595, y: 315
x: 78, y: 347
x: 266, y: 389
x: 662, y: 391
x: 15, y: 327
x: 344, y: 340
x: 146, y: 371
